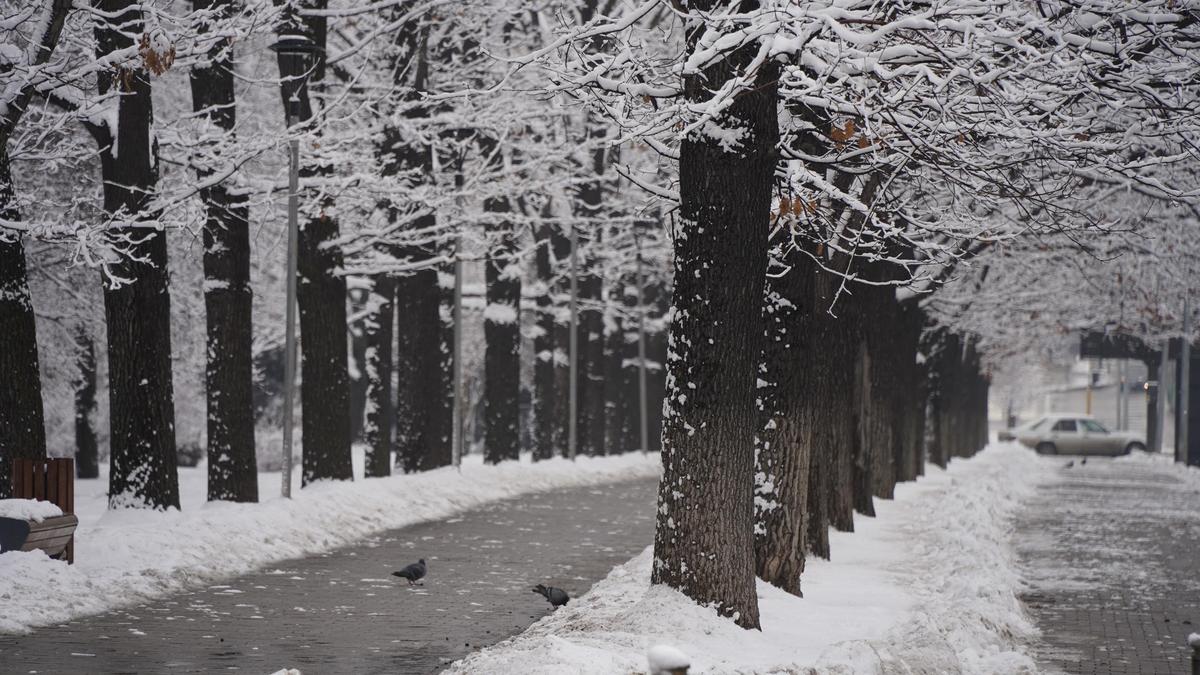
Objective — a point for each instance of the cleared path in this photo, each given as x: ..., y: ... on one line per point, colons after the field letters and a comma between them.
x: 1112, y: 550
x: 342, y: 612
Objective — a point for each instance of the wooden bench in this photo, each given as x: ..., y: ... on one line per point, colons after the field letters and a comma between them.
x: 50, y: 480
x: 53, y: 535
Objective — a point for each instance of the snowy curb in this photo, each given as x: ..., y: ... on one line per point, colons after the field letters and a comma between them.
x: 127, y: 557
x: 929, y: 585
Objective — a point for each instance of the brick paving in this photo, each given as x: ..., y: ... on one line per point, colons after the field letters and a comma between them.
x: 1111, y: 550
x: 342, y: 612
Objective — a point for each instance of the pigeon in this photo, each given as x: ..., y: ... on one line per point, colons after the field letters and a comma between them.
x: 1083, y: 461
x: 413, y: 572
x: 1069, y: 464
x: 556, y: 596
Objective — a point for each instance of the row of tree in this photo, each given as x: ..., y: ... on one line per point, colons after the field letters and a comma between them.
x: 854, y: 159
x: 379, y: 235
x: 836, y: 210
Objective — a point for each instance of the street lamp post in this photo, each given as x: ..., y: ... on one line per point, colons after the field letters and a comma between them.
x: 295, y: 52
x: 1182, y: 388
x: 573, y: 356
x: 643, y: 432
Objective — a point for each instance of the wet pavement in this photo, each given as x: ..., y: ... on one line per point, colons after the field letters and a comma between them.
x: 1111, y: 549
x: 342, y: 612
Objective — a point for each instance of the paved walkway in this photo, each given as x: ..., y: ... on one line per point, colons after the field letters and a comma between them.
x: 1112, y: 550
x: 343, y: 613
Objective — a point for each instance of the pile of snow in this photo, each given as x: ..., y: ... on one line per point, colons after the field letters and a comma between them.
x: 929, y: 585
x: 28, y: 509
x: 1188, y: 473
x: 128, y: 556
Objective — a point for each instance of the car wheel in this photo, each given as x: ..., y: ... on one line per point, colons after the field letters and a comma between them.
x: 1046, y: 449
x: 1134, y: 446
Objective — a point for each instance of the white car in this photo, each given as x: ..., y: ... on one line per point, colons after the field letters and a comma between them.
x: 1070, y: 434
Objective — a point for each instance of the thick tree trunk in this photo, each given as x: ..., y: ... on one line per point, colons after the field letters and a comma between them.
x: 22, y: 428
x: 548, y: 424
x: 621, y: 394
x: 137, y: 307
x: 704, y: 543
x: 785, y: 438
x: 502, y: 332
x: 591, y: 359
x: 232, y: 469
x: 422, y: 440
x: 864, y: 483
x: 87, y: 452
x: 377, y: 333
x: 321, y: 291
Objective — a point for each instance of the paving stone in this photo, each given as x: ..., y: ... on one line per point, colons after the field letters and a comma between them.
x: 1112, y: 553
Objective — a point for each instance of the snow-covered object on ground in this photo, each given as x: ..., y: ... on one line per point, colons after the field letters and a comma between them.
x: 1194, y: 640
x: 127, y: 556
x: 929, y: 585
x: 28, y: 509
x: 666, y: 660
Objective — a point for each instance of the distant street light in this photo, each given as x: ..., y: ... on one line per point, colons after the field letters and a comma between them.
x: 295, y: 63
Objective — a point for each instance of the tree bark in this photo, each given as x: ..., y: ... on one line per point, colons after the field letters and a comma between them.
x: 704, y: 543
x: 22, y: 426
x: 502, y: 333
x: 377, y: 330
x: 785, y: 439
x: 232, y: 466
x: 138, y: 306
x: 87, y: 453
x: 864, y: 484
x: 547, y: 430
x: 590, y: 330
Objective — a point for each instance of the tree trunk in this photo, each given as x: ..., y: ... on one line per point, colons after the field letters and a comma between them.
x: 864, y: 484
x: 22, y: 429
x: 137, y: 307
x: 87, y: 453
x: 784, y: 442
x: 704, y: 544
x: 590, y: 330
x: 502, y: 332
x: 377, y: 329
x: 321, y: 295
x: 547, y: 431
x: 232, y: 468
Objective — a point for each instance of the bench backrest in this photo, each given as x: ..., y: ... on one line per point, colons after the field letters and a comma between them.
x: 48, y: 480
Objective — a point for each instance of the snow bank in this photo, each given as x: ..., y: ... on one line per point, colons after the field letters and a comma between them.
x: 28, y: 509
x: 1191, y: 474
x: 129, y: 556
x: 929, y: 585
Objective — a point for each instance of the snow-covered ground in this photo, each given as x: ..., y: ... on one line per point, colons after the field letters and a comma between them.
x: 929, y: 585
x: 128, y: 556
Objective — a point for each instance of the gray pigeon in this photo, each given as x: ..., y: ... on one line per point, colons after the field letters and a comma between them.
x: 557, y: 596
x: 413, y: 572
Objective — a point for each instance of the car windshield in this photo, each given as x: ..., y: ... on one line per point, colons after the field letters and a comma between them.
x: 1038, y: 424
x: 1093, y: 425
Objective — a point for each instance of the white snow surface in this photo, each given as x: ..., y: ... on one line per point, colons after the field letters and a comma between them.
x: 28, y: 509
x: 929, y: 585
x: 128, y: 556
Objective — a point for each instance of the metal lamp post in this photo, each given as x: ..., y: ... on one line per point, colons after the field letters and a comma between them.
x: 643, y: 432
x: 295, y: 60
x: 573, y: 356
